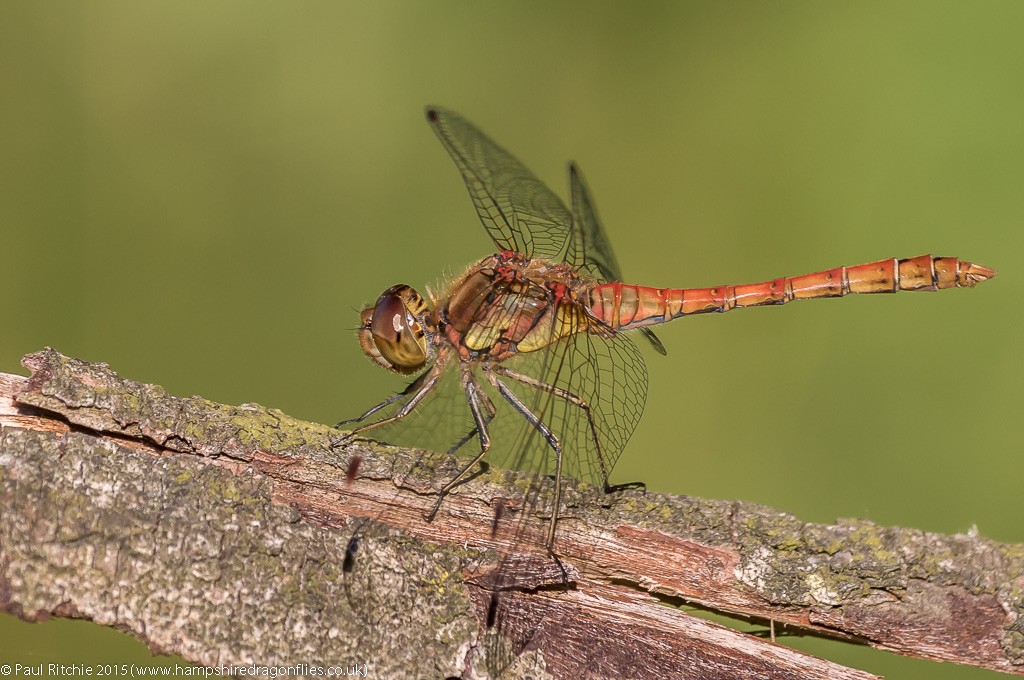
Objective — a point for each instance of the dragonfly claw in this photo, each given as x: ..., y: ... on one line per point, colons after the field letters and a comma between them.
x: 344, y: 440
x: 433, y: 511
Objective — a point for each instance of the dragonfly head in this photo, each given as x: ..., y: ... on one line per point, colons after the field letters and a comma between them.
x: 392, y: 332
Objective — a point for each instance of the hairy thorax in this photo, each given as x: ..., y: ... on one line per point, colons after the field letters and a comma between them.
x: 507, y: 304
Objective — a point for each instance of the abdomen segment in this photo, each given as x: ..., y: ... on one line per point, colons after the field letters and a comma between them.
x: 624, y: 306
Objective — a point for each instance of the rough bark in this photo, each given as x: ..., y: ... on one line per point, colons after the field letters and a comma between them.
x: 225, y: 534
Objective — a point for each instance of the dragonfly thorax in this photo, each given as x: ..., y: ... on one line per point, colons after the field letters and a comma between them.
x: 509, y: 304
x: 392, y: 332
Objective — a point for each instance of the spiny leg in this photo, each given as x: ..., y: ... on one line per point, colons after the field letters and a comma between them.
x: 409, y: 389
x: 473, y: 396
x: 475, y: 430
x: 373, y: 409
x: 552, y: 441
x: 423, y: 386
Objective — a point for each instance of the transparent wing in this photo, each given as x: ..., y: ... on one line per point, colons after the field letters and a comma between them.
x: 518, y: 211
x: 588, y: 247
x: 590, y: 391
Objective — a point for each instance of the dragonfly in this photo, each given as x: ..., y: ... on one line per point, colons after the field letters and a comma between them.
x: 544, y: 328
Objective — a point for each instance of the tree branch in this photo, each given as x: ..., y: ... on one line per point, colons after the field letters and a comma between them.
x: 224, y: 534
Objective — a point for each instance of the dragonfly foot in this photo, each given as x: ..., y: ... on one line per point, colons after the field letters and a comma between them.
x: 339, y: 442
x: 433, y: 511
x: 561, y: 567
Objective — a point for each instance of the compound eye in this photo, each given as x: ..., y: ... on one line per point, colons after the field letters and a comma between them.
x: 397, y: 334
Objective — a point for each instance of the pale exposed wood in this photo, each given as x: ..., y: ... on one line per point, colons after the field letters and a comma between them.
x: 220, y: 533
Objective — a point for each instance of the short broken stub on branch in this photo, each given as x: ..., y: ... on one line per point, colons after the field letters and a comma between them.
x: 238, y: 535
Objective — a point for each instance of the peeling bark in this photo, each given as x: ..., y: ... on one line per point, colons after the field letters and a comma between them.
x: 225, y: 535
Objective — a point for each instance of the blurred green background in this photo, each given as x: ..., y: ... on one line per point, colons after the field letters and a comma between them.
x: 203, y: 194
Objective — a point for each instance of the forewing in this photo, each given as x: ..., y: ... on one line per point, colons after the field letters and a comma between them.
x: 518, y: 211
x: 588, y: 246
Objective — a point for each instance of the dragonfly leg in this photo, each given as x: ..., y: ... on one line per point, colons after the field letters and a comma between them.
x: 489, y: 406
x: 572, y: 399
x: 419, y: 388
x: 551, y: 439
x: 387, y: 402
x: 478, y: 402
x: 412, y: 388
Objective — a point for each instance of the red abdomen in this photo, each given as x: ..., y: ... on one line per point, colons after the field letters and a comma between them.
x: 624, y: 306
